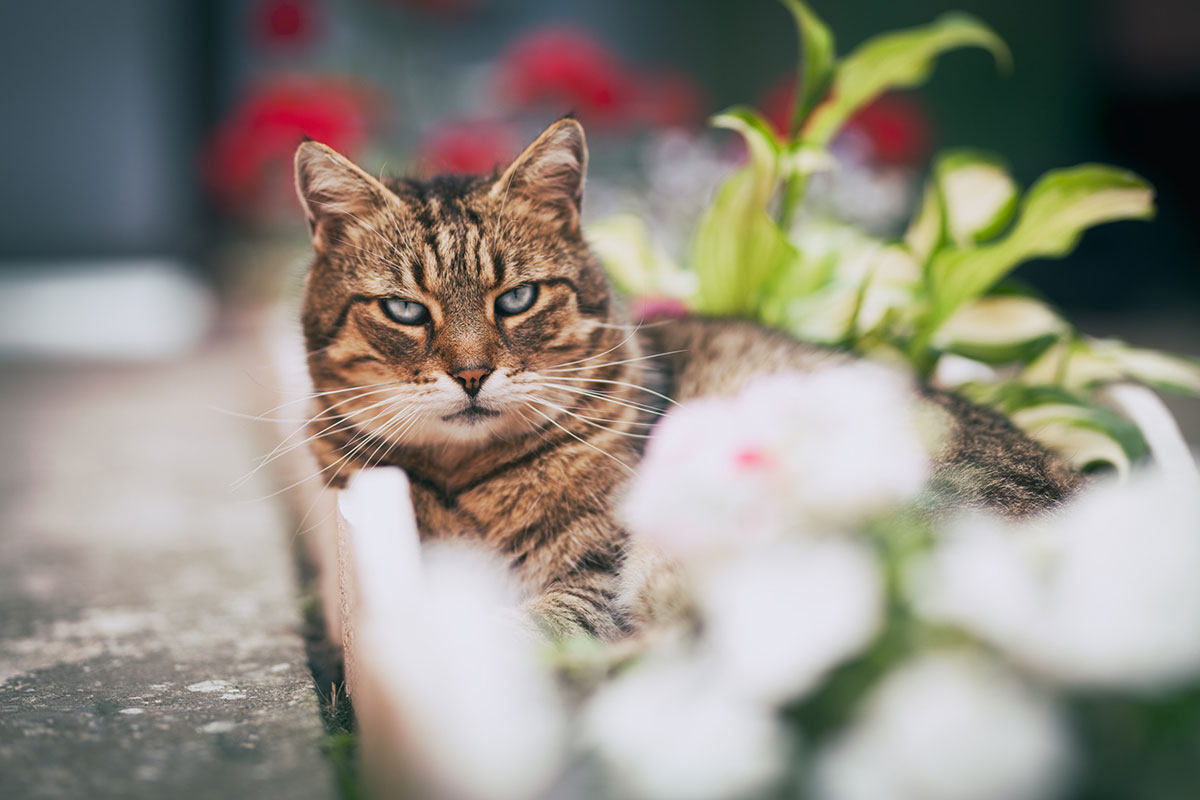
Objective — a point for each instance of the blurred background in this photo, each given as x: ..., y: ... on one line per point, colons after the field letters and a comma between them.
x: 149, y: 235
x: 147, y: 144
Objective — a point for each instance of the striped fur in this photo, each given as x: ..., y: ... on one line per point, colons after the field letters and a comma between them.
x: 532, y: 464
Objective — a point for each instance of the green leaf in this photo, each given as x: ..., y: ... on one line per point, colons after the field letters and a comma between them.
x: 764, y: 149
x: 738, y: 254
x: 1163, y: 371
x: 924, y: 234
x: 897, y: 60
x: 816, y: 64
x: 978, y: 195
x: 1001, y: 330
x: 847, y: 286
x: 636, y: 265
x: 1054, y: 214
x: 737, y: 251
x: 1085, y: 435
x: 1084, y: 365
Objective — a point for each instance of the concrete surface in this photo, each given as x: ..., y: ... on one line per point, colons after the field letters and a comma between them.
x: 149, y: 624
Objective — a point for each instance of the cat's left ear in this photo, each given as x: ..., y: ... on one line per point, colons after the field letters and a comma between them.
x: 550, y: 172
x: 335, y: 192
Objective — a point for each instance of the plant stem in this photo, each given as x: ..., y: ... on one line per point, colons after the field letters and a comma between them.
x: 793, y: 197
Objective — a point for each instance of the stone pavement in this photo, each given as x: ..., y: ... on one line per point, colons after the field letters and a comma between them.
x: 149, y: 621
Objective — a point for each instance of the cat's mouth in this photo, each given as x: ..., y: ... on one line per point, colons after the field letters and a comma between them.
x: 472, y: 413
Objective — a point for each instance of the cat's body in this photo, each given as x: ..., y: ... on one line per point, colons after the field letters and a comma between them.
x: 461, y: 329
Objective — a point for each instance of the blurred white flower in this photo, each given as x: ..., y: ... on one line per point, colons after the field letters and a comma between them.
x: 794, y: 451
x: 776, y: 620
x: 669, y: 730
x: 450, y: 688
x: 948, y: 726
x: 478, y: 695
x: 1105, y: 594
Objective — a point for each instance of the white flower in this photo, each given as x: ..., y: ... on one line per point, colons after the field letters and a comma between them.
x: 948, y: 726
x: 776, y: 620
x: 482, y: 711
x: 705, y: 486
x: 669, y: 730
x: 794, y: 451
x: 1103, y: 595
x: 449, y: 685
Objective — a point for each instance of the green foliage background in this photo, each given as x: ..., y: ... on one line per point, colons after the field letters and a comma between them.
x: 940, y: 292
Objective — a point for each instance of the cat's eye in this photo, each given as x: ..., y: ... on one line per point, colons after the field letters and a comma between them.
x: 514, y: 301
x: 406, y: 312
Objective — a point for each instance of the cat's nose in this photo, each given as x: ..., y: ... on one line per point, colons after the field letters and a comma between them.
x: 471, y: 379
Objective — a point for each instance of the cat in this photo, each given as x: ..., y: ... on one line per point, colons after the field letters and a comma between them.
x: 460, y: 328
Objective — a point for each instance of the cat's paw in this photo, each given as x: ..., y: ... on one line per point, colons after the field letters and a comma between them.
x: 562, y: 615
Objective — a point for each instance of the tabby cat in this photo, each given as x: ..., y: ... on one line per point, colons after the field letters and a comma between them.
x: 460, y: 328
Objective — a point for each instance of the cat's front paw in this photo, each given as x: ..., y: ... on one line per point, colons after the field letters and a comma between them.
x: 562, y: 614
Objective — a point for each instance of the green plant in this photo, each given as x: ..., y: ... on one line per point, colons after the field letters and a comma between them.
x: 940, y: 291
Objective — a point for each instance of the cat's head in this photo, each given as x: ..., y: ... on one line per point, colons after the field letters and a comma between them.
x: 438, y: 311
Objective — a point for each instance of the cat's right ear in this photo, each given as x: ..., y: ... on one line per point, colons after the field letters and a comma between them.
x: 334, y: 192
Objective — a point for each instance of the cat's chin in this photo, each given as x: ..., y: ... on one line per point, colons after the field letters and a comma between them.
x: 473, y: 425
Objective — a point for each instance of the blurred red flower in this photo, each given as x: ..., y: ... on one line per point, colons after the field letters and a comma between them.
x: 672, y: 99
x: 468, y: 147
x: 285, y: 21
x: 777, y: 104
x: 896, y: 126
x: 566, y: 67
x: 249, y: 154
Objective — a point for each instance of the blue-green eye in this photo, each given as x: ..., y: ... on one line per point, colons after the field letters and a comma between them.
x: 514, y: 301
x: 406, y: 312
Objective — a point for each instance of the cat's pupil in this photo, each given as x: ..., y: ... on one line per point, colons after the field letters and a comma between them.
x: 406, y: 312
x: 516, y: 300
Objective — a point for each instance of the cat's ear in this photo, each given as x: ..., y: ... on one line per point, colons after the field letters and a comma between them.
x: 550, y: 172
x: 334, y: 192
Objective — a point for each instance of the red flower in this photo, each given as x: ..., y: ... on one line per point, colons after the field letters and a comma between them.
x: 672, y: 99
x: 249, y: 155
x: 468, y: 147
x: 285, y: 21
x: 567, y: 68
x: 895, y: 125
x: 777, y: 104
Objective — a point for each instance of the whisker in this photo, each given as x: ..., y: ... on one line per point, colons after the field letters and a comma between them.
x: 588, y: 421
x: 313, y: 395
x: 598, y: 355
x: 364, y: 440
x: 328, y: 413
x: 279, y: 451
x: 607, y: 398
x: 396, y: 422
x: 574, y: 407
x: 617, y: 383
x: 413, y: 417
x: 264, y: 418
x: 613, y: 363
x: 635, y: 326
x: 580, y: 439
